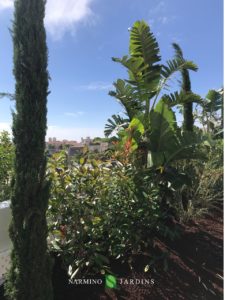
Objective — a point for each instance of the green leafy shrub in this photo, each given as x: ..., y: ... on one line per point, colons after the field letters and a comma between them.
x: 210, y: 185
x: 6, y: 165
x: 98, y: 212
x: 205, y: 190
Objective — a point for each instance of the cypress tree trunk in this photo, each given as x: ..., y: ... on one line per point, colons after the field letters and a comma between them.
x: 30, y: 275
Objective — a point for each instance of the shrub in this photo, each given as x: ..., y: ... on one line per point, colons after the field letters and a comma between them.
x: 6, y: 165
x: 205, y: 191
x: 97, y: 212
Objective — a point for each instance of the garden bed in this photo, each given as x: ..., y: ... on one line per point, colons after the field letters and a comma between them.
x: 195, y: 269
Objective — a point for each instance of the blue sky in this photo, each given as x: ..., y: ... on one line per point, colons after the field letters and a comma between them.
x: 83, y: 35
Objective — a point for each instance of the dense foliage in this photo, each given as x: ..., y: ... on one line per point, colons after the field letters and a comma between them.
x: 108, y: 206
x: 29, y: 277
x: 99, y: 211
x: 204, y: 193
x: 144, y: 100
x: 155, y: 174
x: 6, y: 165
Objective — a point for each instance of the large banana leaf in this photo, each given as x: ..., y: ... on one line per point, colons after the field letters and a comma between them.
x: 125, y: 94
x: 162, y: 133
x: 214, y: 101
x: 189, y: 145
x: 167, y: 143
x: 138, y: 71
x: 144, y: 45
x: 143, y: 63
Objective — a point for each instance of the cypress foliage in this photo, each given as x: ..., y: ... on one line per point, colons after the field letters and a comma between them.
x: 30, y: 275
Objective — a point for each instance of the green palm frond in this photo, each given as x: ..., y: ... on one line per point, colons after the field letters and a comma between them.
x: 214, y: 101
x: 173, y: 66
x: 142, y: 78
x: 143, y: 44
x: 143, y: 63
x: 127, y: 97
x: 115, y: 123
x: 133, y: 64
x: 178, y: 51
x: 181, y: 98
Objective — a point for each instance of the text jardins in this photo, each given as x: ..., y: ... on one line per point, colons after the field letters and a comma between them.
x: 120, y: 281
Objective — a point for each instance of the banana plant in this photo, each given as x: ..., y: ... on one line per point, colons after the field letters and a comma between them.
x: 140, y: 94
x: 148, y: 77
x: 166, y: 142
x: 213, y: 112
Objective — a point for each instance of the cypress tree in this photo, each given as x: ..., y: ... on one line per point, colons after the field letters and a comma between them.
x: 29, y: 277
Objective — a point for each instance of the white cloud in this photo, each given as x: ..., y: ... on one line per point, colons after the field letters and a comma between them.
x: 63, y: 15
x: 73, y: 133
x: 74, y: 114
x: 5, y: 126
x: 6, y: 4
x: 95, y: 86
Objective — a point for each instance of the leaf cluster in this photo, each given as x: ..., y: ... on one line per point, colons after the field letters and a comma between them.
x: 98, y: 211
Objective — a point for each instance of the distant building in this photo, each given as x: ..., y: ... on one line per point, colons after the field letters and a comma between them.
x: 73, y: 147
x: 86, y: 141
x: 98, y: 147
x: 77, y: 149
x: 104, y: 146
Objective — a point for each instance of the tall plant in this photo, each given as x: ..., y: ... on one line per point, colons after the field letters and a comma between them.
x: 30, y: 275
x: 188, y: 122
x: 140, y: 93
x: 212, y: 113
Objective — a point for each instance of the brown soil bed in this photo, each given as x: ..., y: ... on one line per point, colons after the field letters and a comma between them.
x: 193, y: 269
